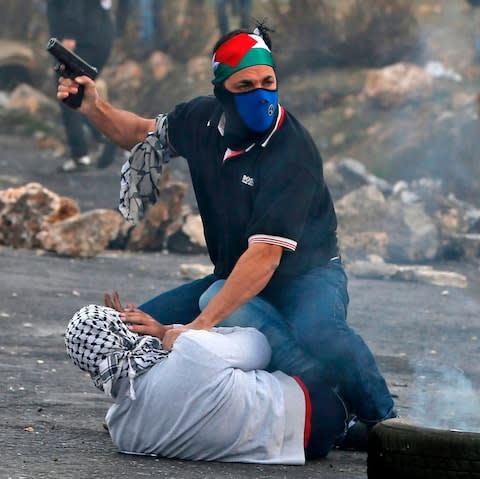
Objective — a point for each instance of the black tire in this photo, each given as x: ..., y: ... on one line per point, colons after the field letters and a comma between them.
x: 401, y: 450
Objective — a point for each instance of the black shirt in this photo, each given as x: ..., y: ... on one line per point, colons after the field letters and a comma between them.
x: 273, y: 192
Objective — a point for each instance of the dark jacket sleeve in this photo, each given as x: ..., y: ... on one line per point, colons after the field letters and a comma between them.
x: 65, y: 18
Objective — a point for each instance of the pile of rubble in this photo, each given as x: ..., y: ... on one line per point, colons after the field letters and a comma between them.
x: 384, y: 229
x: 31, y: 216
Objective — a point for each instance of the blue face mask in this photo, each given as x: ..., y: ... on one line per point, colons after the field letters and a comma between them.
x: 257, y: 108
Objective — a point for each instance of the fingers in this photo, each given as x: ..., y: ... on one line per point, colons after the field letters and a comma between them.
x: 136, y: 317
x: 171, y: 336
x: 107, y: 301
x: 69, y: 86
x: 150, y: 329
x: 66, y: 87
x: 84, y: 80
x: 69, y: 43
x: 141, y: 329
x: 142, y: 323
x: 113, y: 301
x: 116, y: 301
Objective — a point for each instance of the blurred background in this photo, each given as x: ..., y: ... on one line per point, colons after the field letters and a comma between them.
x: 390, y: 83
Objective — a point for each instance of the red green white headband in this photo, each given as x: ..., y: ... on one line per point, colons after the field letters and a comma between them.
x: 241, y: 51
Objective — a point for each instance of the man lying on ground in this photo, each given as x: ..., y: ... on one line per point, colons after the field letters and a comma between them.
x: 206, y: 399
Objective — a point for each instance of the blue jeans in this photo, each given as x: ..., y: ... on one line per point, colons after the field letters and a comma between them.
x: 178, y: 305
x: 304, y: 319
x: 315, y: 306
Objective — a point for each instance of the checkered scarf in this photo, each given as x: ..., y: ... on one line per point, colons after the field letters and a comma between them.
x: 140, y: 175
x: 99, y: 342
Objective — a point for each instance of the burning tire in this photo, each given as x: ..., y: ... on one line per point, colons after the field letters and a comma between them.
x: 401, y: 450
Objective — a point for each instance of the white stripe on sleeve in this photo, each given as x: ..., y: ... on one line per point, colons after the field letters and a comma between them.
x: 278, y: 240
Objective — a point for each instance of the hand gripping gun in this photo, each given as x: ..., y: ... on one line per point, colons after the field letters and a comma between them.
x: 70, y: 65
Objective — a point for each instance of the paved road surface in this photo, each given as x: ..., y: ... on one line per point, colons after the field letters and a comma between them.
x: 51, y: 415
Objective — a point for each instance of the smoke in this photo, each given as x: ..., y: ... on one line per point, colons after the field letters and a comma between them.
x: 444, y: 398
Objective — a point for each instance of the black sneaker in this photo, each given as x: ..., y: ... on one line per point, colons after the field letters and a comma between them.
x: 355, y: 437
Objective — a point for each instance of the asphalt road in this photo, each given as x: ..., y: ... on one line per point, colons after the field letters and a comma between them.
x: 426, y: 339
x: 51, y: 415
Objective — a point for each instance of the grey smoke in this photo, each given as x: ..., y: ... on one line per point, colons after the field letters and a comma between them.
x: 443, y: 397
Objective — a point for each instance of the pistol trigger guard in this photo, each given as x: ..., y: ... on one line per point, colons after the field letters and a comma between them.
x: 61, y: 69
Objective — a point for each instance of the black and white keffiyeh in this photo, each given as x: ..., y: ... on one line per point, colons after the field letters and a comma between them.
x: 140, y: 175
x: 99, y: 342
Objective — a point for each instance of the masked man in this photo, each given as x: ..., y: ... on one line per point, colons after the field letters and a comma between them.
x: 268, y: 217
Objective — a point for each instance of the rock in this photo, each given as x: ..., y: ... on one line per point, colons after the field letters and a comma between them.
x: 160, y: 221
x: 473, y: 218
x: 428, y: 9
x: 29, y: 100
x: 27, y: 210
x: 372, y: 270
x: 338, y: 139
x: 85, y: 235
x: 193, y: 228
x: 190, y: 238
x: 439, y: 71
x: 406, y: 232
x: 16, y: 53
x: 456, y: 221
x: 161, y: 65
x: 124, y: 77
x: 461, y: 99
x: 348, y: 174
x: 67, y: 209
x: 426, y: 274
x: 397, y: 84
x: 420, y: 274
x: 195, y: 271
x: 413, y: 236
x: 356, y: 202
x: 359, y: 244
x: 3, y: 100
x: 17, y: 64
x: 462, y: 246
x: 199, y: 68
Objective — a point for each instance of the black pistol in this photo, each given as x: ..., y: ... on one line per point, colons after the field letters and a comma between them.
x: 70, y: 65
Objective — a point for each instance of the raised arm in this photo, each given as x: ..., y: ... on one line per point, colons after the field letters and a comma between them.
x: 122, y: 127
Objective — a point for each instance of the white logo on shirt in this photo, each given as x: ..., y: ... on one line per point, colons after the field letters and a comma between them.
x: 248, y: 180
